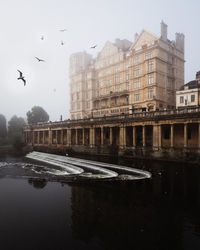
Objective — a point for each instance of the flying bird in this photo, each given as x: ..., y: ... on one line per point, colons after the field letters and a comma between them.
x: 21, y: 77
x: 93, y: 47
x: 39, y: 60
x: 63, y: 30
x: 62, y: 43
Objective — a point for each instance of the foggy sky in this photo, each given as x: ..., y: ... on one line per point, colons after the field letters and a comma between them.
x: 88, y: 22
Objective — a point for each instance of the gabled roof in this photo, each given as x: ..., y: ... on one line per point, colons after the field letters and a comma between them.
x: 145, y: 37
x: 108, y: 49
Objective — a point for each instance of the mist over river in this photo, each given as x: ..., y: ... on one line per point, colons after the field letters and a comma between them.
x: 40, y: 211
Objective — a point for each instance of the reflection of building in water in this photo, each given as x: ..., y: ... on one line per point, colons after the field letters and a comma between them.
x: 136, y: 214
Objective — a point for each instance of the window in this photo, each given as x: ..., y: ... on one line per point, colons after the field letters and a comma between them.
x: 78, y: 87
x: 89, y: 85
x: 136, y: 59
x: 148, y: 55
x: 117, y: 79
x: 169, y: 84
x: 73, y: 106
x: 78, y: 105
x: 99, y: 84
x: 192, y: 98
x: 117, y: 88
x: 88, y: 105
x: 150, y: 79
x: 128, y: 64
x: 136, y: 97
x: 181, y: 99
x: 128, y: 86
x: 108, y: 82
x: 168, y: 95
x: 117, y: 69
x: 150, y: 93
x: 150, y: 65
x: 127, y: 76
x: 108, y: 91
x: 136, y: 83
x: 78, y: 96
x: 136, y: 72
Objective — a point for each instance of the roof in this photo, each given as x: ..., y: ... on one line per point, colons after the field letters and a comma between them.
x: 122, y: 44
x: 191, y: 85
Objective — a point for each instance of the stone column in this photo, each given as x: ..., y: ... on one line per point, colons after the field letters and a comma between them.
x: 50, y: 137
x: 56, y: 137
x: 185, y: 135
x: 155, y: 136
x: 33, y: 137
x: 199, y: 136
x: 69, y: 137
x: 159, y: 136
x: 83, y: 135
x: 76, y: 136
x: 134, y: 137
x: 122, y: 137
x: 102, y: 136
x: 143, y: 136
x: 61, y: 135
x: 172, y: 136
x: 111, y: 136
x: 38, y: 137
x: 92, y: 137
x: 43, y: 137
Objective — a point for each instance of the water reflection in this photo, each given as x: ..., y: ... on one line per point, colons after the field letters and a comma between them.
x: 148, y: 214
x: 37, y: 183
x: 160, y: 213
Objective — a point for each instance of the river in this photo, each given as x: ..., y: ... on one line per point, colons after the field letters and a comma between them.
x: 37, y: 212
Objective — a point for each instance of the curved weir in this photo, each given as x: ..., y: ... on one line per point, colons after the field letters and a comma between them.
x: 90, y: 169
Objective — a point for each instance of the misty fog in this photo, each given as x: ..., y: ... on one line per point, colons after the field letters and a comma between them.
x: 23, y: 23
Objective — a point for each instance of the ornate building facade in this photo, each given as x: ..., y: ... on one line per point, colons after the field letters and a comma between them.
x: 127, y: 77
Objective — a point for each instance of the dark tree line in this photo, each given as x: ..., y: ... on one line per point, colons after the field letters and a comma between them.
x: 12, y: 134
x: 3, y: 128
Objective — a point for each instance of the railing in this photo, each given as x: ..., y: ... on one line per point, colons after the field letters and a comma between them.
x: 148, y: 114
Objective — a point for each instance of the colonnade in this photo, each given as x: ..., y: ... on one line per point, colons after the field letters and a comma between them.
x: 149, y: 134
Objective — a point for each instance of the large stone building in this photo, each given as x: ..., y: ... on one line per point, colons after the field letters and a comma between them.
x: 127, y: 77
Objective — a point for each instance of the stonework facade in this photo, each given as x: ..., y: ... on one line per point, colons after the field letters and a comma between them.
x: 127, y: 77
x: 167, y: 134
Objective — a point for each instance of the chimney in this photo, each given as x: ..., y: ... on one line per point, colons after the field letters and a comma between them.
x: 180, y: 41
x: 135, y: 36
x: 198, y: 76
x: 163, y: 27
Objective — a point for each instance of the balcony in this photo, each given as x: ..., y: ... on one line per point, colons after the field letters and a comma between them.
x: 112, y: 94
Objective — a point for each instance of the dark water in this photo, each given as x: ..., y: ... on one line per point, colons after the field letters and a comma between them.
x: 160, y: 213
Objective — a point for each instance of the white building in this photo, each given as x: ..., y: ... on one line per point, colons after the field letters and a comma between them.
x: 189, y: 94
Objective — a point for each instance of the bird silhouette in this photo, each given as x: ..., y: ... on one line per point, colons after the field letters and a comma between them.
x: 62, y: 43
x: 93, y: 47
x: 39, y: 60
x: 21, y: 77
x: 63, y: 30
x: 42, y: 37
